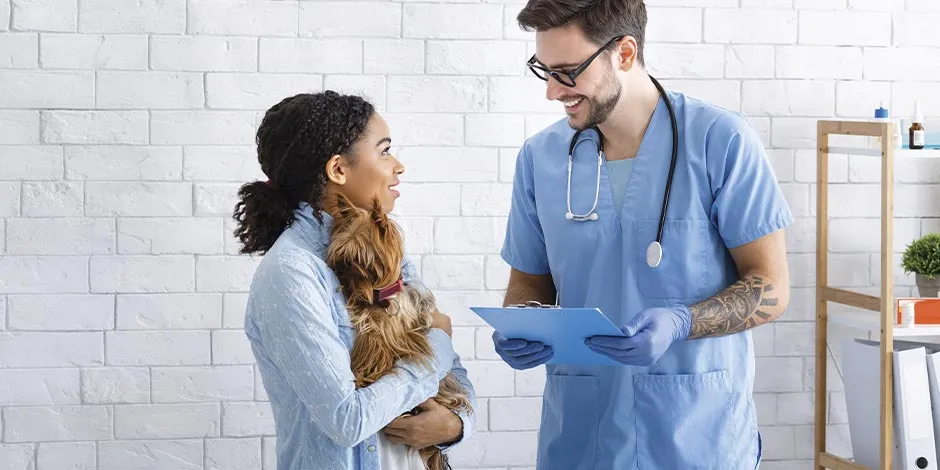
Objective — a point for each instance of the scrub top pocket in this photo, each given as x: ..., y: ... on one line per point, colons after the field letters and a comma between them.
x: 570, y: 416
x: 684, y: 421
x: 684, y: 272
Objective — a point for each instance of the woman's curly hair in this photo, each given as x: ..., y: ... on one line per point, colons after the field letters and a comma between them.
x: 295, y: 140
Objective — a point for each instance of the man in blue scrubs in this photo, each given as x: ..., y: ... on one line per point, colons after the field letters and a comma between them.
x: 680, y: 397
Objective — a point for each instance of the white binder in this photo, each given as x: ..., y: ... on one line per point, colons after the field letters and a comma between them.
x: 933, y: 378
x: 914, y: 416
x: 861, y: 378
x: 933, y: 375
x: 915, y: 446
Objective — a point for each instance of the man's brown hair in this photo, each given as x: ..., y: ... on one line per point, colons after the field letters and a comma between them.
x: 600, y: 20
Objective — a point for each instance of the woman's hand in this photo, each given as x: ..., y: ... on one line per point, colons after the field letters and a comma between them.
x: 433, y: 425
x: 439, y: 320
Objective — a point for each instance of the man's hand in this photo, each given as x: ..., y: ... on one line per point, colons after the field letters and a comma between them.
x: 648, y: 336
x: 433, y: 425
x: 521, y: 354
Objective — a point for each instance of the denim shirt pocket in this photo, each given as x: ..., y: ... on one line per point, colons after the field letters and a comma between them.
x: 684, y: 421
x: 341, y: 316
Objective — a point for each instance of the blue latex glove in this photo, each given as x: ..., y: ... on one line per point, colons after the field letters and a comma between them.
x: 648, y: 336
x: 521, y: 354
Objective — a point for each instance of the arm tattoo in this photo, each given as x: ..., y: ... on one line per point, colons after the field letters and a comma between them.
x: 745, y: 304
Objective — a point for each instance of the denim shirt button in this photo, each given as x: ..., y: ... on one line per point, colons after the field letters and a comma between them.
x: 371, y: 448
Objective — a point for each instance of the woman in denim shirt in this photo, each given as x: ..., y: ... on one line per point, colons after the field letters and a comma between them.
x: 313, y: 147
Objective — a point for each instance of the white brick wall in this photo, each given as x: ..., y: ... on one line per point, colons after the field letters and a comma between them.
x: 127, y: 127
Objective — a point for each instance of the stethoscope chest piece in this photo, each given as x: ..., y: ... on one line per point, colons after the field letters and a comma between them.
x: 654, y: 254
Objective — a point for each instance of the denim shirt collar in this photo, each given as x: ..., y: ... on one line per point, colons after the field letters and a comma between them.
x: 312, y: 230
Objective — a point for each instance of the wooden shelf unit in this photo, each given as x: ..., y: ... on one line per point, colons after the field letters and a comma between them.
x: 882, y: 304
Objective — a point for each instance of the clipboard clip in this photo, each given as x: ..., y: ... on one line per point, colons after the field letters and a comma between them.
x: 534, y: 304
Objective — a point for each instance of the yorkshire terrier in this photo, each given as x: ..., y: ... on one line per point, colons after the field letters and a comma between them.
x: 390, y: 317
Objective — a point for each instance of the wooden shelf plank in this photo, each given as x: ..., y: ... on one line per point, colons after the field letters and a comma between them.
x: 849, y: 127
x: 834, y: 462
x: 871, y: 323
x: 852, y: 299
x: 899, y: 153
x: 822, y: 281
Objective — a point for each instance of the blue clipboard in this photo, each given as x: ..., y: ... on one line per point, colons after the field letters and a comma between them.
x: 565, y: 329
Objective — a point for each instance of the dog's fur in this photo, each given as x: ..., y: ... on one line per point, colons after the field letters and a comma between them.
x: 366, y: 252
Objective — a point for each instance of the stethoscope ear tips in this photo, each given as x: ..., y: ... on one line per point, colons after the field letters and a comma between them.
x: 593, y: 216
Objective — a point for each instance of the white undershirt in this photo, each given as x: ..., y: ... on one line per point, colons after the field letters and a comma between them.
x: 397, y: 456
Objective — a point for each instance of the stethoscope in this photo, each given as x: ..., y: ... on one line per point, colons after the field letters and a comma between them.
x: 654, y: 251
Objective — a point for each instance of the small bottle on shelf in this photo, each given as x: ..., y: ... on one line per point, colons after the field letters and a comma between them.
x: 881, y: 115
x: 907, y: 314
x: 917, y: 132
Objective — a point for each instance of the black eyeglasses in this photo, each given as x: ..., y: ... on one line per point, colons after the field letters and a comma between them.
x: 566, y: 78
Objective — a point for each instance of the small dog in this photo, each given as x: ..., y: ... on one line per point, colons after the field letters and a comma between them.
x: 390, y: 317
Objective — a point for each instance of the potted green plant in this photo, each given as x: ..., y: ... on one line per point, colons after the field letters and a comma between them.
x: 922, y: 257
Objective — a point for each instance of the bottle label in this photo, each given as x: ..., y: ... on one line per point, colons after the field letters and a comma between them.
x: 918, y: 138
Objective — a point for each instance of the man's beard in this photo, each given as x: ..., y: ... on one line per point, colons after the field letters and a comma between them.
x: 599, y: 111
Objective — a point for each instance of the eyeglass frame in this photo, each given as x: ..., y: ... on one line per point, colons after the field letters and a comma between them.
x: 573, y: 75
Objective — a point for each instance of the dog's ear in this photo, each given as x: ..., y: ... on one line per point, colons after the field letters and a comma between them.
x: 343, y: 204
x: 378, y: 216
x: 376, y: 211
x: 346, y: 214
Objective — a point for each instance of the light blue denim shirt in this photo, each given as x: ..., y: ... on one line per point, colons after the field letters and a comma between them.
x: 300, y: 333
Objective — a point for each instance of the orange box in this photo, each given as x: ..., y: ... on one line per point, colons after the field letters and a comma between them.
x: 926, y: 310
